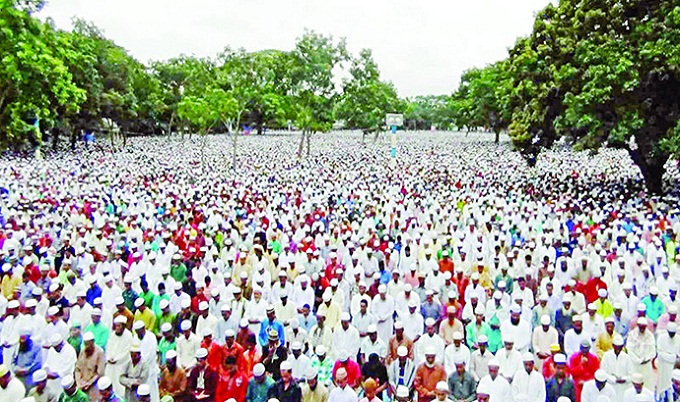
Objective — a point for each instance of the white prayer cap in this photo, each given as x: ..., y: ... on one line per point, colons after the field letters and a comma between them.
x: 286, y: 366
x: 493, y: 363
x: 258, y: 370
x: 564, y: 399
x: 207, y: 332
x: 430, y: 351
x: 430, y: 322
x: 139, y: 324
x: 39, y: 375
x: 560, y: 359
x: 345, y: 316
x: 164, y: 304
x: 600, y: 375
x: 403, y: 392
x: 402, y: 351
x: 528, y: 357
x: 442, y: 387
x: 676, y: 374
x: 88, y: 336
x: 320, y: 350
x: 104, y: 383
x: 53, y: 310
x: 170, y: 354
x: 545, y: 319
x: 144, y: 390
x: 120, y: 320
x: 31, y: 303
x: 138, y: 302
x: 201, y: 353
x: 68, y: 381
x: 637, y: 378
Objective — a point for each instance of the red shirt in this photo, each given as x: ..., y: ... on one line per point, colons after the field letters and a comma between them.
x: 231, y: 386
x: 353, y: 371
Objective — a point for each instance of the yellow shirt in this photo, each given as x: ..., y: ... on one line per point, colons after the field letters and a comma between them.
x: 332, y: 313
x: 147, y: 317
x: 604, y: 343
x: 8, y: 284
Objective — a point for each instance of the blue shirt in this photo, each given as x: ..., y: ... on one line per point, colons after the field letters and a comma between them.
x: 268, y: 325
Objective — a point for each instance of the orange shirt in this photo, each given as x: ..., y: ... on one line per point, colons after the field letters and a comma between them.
x: 426, y: 381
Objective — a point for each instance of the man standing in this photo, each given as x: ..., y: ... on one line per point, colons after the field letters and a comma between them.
x: 597, y: 387
x: 118, y: 352
x: 637, y: 393
x: 90, y: 366
x: 148, y: 346
x: 618, y: 366
x: 135, y: 373
x: 428, y: 375
x: 173, y: 378
x: 342, y: 391
x: 71, y: 392
x: 461, y: 384
x: 312, y: 390
x: 106, y: 391
x: 286, y: 388
x: 529, y: 382
x: 259, y: 385
x: 669, y: 348
x: 202, y: 382
x: 401, y: 372
x: 560, y: 385
x: 11, y: 389
x: 60, y: 361
x: 582, y: 366
x: 494, y: 385
x: 642, y: 349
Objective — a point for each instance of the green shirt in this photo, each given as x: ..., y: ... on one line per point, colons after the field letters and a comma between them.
x: 179, y: 272
x: 472, y: 332
x: 162, y: 319
x: 78, y: 396
x: 164, y: 346
x: 156, y: 303
x: 148, y: 298
x: 100, y: 332
x: 495, y: 340
x: 77, y: 343
x: 258, y: 392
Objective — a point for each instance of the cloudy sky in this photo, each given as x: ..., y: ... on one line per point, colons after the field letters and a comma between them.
x: 421, y: 45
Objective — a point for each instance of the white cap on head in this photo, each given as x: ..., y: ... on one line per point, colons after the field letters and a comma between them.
x: 39, y: 375
x: 139, y: 324
x: 402, y: 392
x: 68, y: 381
x: 402, y: 351
x: 104, y: 383
x: 258, y: 370
x: 201, y: 353
x: 144, y: 390
x: 442, y: 386
x: 170, y: 354
x: 600, y: 375
x: 545, y: 319
x: 88, y: 336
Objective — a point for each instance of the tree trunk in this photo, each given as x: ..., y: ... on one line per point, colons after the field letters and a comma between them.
x: 375, y: 136
x: 309, y: 137
x: 652, y: 170
x: 74, y: 139
x: 498, y: 136
x: 301, y: 145
x: 172, y: 118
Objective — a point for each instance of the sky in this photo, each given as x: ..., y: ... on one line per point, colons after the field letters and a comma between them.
x: 422, y: 46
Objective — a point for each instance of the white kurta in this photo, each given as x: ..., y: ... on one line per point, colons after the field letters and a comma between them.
x: 617, y: 367
x: 62, y: 363
x: 510, y: 362
x: 149, y: 350
x: 499, y: 389
x: 383, y: 311
x: 347, y: 340
x: 520, y: 333
x: 426, y: 341
x: 531, y: 385
x: 669, y: 349
x: 631, y: 395
x: 14, y: 392
x: 117, y: 349
x: 590, y: 393
x: 453, y: 353
x: 642, y: 349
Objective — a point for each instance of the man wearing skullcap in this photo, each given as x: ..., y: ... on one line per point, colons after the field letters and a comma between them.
x: 528, y: 381
x: 428, y: 374
x: 167, y: 342
x: 460, y: 383
x: 202, y: 380
x: 274, y: 354
x: 494, y: 385
x: 596, y: 388
x: 123, y: 311
x: 370, y: 391
x: 90, y: 366
x: 383, y: 308
x: 118, y: 352
x: 583, y: 365
x: 173, y: 378
x: 342, y: 392
x: 637, y: 392
x: 399, y: 339
x: 641, y: 347
x: 71, y: 393
x: 60, y: 361
x: 135, y: 373
x: 40, y: 391
x: 668, y: 346
x: 560, y: 385
x: 260, y: 384
x: 286, y: 389
x: 27, y: 358
x: 401, y: 372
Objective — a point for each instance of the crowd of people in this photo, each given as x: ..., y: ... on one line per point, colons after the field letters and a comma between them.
x: 453, y: 273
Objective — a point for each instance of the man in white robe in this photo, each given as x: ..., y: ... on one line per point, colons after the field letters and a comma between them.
x: 529, y: 382
x: 148, y: 346
x: 383, y: 309
x: 617, y: 365
x: 118, y: 352
x: 59, y: 362
x: 495, y: 385
x: 668, y: 346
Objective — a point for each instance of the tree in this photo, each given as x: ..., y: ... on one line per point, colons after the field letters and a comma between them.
x: 423, y: 112
x: 483, y: 98
x: 366, y: 99
x: 200, y: 114
x: 315, y: 58
x: 34, y: 81
x: 600, y: 72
